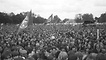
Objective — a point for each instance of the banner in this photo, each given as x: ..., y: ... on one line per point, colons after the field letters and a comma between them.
x: 26, y: 22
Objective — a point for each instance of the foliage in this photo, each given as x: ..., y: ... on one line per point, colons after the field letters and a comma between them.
x: 55, y: 19
x: 39, y: 20
x: 65, y: 20
x: 87, y: 17
x: 78, y: 18
x: 84, y: 18
x: 18, y: 18
x: 102, y: 18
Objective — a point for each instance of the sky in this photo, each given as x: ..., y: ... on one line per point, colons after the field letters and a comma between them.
x: 62, y: 8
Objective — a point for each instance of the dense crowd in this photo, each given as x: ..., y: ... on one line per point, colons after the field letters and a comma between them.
x: 52, y: 43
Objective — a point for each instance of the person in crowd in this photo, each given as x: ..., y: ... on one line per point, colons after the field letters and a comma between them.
x: 62, y: 55
x: 47, y: 43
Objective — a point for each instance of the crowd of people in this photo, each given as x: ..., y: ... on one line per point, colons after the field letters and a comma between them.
x: 52, y: 42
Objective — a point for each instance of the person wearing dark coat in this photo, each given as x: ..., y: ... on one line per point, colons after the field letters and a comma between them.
x: 6, y: 53
x: 15, y: 53
x: 18, y: 58
x: 72, y: 55
x: 57, y: 53
x: 35, y: 56
x: 100, y: 56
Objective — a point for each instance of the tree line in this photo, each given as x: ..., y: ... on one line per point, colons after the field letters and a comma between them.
x: 12, y: 18
x: 79, y: 18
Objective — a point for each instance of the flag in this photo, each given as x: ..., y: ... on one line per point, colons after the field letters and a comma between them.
x: 50, y: 18
x: 26, y: 22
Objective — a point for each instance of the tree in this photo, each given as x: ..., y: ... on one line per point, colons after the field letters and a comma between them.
x: 5, y: 18
x: 11, y: 14
x: 88, y: 18
x: 56, y: 19
x: 39, y: 20
x: 17, y: 19
x: 65, y: 20
x: 102, y: 18
x: 78, y: 18
x: 96, y: 19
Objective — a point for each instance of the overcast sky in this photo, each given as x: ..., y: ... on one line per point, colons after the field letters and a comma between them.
x: 62, y: 8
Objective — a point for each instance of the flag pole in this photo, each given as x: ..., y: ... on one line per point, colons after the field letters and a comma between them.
x: 98, y: 34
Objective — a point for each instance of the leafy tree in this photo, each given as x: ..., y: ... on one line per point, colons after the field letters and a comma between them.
x: 65, y: 20
x: 96, y: 19
x: 4, y: 18
x: 56, y: 19
x: 11, y: 14
x: 102, y: 18
x: 78, y: 18
x: 18, y: 18
x: 39, y: 20
x: 87, y: 17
